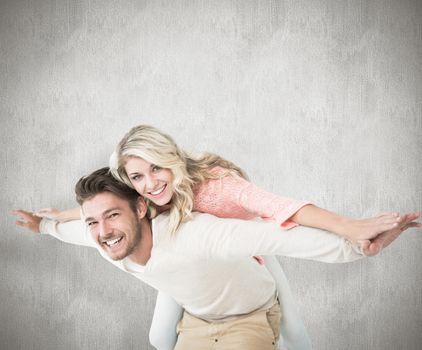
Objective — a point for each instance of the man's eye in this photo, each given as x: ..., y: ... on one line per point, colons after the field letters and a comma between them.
x: 113, y: 215
x: 92, y: 223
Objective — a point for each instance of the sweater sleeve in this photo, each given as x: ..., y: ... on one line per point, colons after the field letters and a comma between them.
x: 74, y: 232
x: 234, y: 197
x: 268, y: 205
x: 233, y: 238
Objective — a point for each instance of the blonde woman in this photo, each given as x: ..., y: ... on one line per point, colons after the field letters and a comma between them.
x: 170, y: 179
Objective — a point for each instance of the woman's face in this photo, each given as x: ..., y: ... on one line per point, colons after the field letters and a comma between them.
x: 149, y: 180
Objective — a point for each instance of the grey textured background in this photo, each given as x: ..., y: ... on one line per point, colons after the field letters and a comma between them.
x: 319, y: 100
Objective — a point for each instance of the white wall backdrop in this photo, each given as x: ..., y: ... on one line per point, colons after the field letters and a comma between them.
x: 318, y: 100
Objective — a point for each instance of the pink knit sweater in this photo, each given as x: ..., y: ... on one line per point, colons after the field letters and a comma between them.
x: 231, y: 196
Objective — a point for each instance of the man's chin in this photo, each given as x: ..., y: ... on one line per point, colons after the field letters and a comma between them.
x: 116, y: 256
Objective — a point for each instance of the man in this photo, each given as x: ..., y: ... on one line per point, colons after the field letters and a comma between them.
x: 230, y: 300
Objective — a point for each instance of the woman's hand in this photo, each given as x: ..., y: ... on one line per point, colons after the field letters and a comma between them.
x: 56, y: 214
x: 366, y: 229
x: 50, y: 213
x: 374, y: 246
x: 352, y: 229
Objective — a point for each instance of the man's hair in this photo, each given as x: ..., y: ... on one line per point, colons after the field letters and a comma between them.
x: 101, y: 181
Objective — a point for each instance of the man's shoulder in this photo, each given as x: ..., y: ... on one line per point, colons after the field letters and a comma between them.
x: 160, y: 223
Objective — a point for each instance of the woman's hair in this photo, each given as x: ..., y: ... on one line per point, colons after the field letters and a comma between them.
x: 157, y: 148
x: 101, y: 181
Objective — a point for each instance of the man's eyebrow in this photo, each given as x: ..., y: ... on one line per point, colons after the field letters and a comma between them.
x: 103, y: 214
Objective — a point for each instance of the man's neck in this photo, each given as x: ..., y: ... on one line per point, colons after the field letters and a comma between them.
x: 142, y: 253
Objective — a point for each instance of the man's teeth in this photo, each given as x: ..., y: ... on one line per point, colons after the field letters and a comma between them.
x: 158, y: 191
x: 113, y: 241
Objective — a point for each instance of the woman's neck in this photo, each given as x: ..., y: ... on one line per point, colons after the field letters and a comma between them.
x: 163, y: 208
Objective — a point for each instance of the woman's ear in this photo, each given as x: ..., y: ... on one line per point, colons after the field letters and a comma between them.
x: 141, y: 208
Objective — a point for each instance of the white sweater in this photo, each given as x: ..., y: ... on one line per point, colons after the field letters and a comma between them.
x: 207, y: 268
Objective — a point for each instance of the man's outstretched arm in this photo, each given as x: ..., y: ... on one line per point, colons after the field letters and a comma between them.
x: 74, y: 232
x: 231, y: 238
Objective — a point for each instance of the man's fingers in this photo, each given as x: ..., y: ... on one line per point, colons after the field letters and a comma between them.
x: 364, y: 243
x: 381, y: 241
x: 23, y: 224
x: 384, y: 239
x: 375, y: 248
x: 26, y: 215
x: 388, y: 237
x: 372, y: 249
x: 22, y: 213
x: 412, y: 216
x: 409, y: 218
x: 20, y: 223
x: 27, y: 220
x: 411, y: 225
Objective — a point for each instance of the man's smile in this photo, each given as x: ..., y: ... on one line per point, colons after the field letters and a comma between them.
x: 112, y: 242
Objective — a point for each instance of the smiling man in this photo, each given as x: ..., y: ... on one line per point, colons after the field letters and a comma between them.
x: 116, y: 229
x: 230, y: 299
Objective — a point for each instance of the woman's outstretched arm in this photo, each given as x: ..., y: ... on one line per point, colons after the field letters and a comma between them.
x: 60, y: 215
x: 235, y: 197
x: 352, y: 229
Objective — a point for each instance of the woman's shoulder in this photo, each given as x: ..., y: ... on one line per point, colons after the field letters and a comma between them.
x: 220, y: 196
x: 225, y: 183
x: 218, y: 170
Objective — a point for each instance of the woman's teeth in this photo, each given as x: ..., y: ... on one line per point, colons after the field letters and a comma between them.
x: 159, y: 191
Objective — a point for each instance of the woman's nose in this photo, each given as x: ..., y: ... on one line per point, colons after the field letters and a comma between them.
x: 149, y: 182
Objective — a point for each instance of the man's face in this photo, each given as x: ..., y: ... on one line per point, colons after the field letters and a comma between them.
x: 113, y: 224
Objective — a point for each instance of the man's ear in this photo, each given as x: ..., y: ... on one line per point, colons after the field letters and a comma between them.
x: 141, y: 208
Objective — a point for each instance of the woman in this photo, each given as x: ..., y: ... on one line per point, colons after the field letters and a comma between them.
x: 170, y: 179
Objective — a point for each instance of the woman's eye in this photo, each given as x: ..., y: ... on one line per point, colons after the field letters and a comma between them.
x: 156, y: 168
x: 136, y: 177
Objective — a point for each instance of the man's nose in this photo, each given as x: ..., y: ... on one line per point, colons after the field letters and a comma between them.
x: 104, y: 229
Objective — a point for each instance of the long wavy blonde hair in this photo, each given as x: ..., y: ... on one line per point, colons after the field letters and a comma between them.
x: 157, y: 148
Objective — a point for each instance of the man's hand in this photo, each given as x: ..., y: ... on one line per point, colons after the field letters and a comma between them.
x: 374, y: 246
x: 28, y: 220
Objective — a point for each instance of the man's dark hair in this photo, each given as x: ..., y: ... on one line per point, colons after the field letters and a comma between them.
x: 101, y: 181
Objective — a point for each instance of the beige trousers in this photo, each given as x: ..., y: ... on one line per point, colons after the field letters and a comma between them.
x: 259, y: 330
